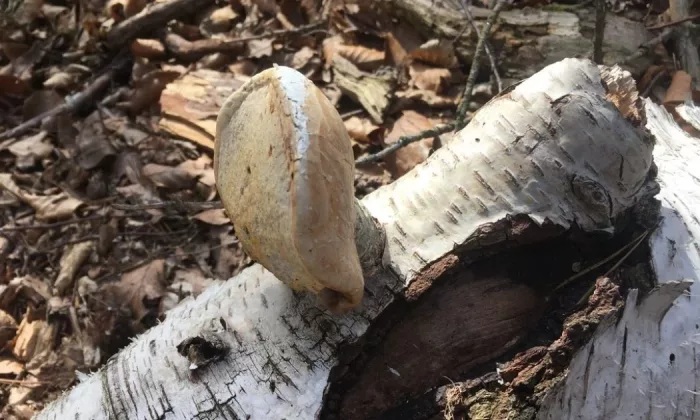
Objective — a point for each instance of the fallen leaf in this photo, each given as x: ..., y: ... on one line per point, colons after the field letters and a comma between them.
x: 258, y: 48
x: 213, y: 217
x: 370, y: 90
x: 406, y: 158
x: 31, y: 149
x: 33, y: 338
x: 8, y: 328
x: 47, y: 207
x: 27, y: 287
x: 367, y: 59
x: 92, y: 145
x: 10, y: 367
x: 62, y: 80
x: 190, y: 104
x: 362, y: 130
x: 302, y: 57
x: 141, y: 288
x: 148, y: 89
x: 427, y: 97
x: 396, y: 51
x: 424, y: 77
x: 71, y: 261
x: 243, y: 69
x: 219, y: 20
x: 147, y: 48
x: 168, y: 177
x: 439, y: 53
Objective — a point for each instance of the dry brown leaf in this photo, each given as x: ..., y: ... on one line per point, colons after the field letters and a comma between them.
x: 12, y: 85
x: 10, y: 367
x: 20, y: 394
x: 429, y: 78
x: 219, y: 20
x: 680, y: 90
x: 215, y: 217
x: 28, y: 287
x: 71, y: 261
x: 259, y: 48
x: 190, y: 105
x: 92, y: 146
x: 364, y: 58
x: 33, y: 338
x: 148, y: 89
x: 147, y: 48
x: 330, y: 46
x: 31, y: 149
x: 427, y: 97
x: 61, y: 80
x: 301, y: 58
x: 406, y: 158
x: 243, y: 69
x: 141, y: 288
x: 439, y: 53
x: 8, y: 328
x: 396, y: 51
x: 363, y: 130
x: 168, y: 177
x: 47, y: 207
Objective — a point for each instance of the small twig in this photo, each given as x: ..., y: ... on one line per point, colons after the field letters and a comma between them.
x: 349, y: 114
x: 663, y: 36
x: 652, y: 83
x: 54, y: 224
x: 403, y: 142
x: 605, y: 260
x: 154, y: 16
x: 183, y: 205
x: 614, y: 267
x: 461, y: 119
x: 193, y: 50
x: 71, y: 105
x: 487, y: 47
x: 674, y: 23
x: 599, y: 31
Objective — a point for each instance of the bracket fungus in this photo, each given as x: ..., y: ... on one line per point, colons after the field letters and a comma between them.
x: 285, y: 173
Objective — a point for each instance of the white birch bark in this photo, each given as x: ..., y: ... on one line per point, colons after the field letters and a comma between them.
x: 646, y: 365
x: 552, y: 148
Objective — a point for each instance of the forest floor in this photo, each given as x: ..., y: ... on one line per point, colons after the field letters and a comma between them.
x: 109, y: 214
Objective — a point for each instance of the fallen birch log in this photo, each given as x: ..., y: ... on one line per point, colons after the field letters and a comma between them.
x: 564, y: 151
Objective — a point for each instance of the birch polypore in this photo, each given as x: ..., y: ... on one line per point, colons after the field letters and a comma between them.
x: 554, y: 148
x: 285, y: 173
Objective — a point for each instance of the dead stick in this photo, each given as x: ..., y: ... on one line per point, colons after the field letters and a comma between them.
x: 461, y: 110
x: 150, y: 18
x: 487, y: 48
x: 185, y: 205
x: 72, y: 104
x: 663, y: 36
x: 461, y: 119
x: 403, y: 142
x: 599, y: 31
x: 674, y: 23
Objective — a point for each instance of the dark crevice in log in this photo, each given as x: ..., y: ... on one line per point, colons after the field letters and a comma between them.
x: 469, y: 311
